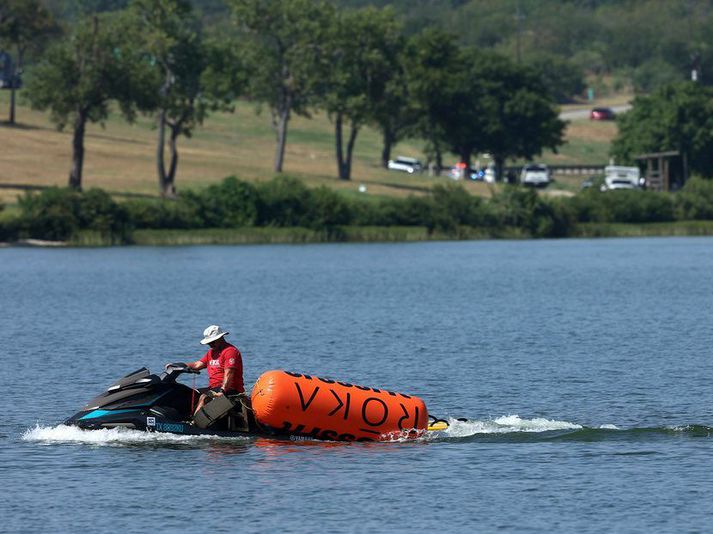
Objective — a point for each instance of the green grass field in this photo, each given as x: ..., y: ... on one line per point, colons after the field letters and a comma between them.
x: 120, y: 157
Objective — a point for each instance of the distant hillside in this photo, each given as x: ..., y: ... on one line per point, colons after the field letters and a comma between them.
x: 639, y: 43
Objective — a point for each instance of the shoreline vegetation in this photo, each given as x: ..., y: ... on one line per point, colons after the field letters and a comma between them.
x: 285, y: 211
x: 374, y: 234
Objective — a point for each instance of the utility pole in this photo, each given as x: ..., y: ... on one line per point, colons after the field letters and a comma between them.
x: 695, y: 55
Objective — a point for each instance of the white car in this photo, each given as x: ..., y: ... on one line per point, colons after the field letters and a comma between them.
x: 617, y: 177
x: 613, y: 185
x: 537, y: 175
x: 404, y: 164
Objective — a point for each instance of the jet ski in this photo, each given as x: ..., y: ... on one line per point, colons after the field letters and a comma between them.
x: 158, y: 403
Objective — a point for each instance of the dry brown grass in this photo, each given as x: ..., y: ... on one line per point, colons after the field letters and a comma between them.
x: 120, y: 157
x: 591, y: 131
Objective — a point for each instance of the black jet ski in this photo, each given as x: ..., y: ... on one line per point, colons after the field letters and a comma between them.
x: 158, y: 403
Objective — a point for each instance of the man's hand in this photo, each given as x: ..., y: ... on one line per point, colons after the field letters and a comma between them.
x: 218, y: 393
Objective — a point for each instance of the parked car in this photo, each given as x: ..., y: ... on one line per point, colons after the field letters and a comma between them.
x: 404, y: 164
x: 616, y: 184
x: 535, y: 174
x: 619, y: 177
x: 602, y: 114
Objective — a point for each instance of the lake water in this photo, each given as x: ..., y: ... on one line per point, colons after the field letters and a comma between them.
x: 583, y: 366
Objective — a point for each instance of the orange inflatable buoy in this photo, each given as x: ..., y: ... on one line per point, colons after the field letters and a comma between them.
x: 320, y: 408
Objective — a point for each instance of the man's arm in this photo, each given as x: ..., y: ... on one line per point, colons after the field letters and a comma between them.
x: 197, y: 365
x: 228, y: 378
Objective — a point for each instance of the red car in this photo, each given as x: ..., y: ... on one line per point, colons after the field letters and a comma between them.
x: 602, y: 114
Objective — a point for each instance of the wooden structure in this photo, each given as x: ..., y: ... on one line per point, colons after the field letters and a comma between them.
x: 664, y: 170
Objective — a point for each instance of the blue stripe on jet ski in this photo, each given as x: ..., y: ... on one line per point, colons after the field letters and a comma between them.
x: 100, y: 413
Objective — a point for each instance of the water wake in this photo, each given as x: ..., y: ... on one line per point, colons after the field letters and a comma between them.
x: 113, y: 436
x: 514, y: 428
x: 507, y: 428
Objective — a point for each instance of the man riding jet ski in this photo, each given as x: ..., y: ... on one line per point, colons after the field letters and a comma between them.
x: 145, y: 401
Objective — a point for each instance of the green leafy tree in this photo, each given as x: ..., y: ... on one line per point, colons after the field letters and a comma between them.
x: 676, y: 117
x: 188, y: 77
x: 561, y: 77
x: 394, y: 114
x: 80, y: 75
x: 366, y: 49
x: 432, y: 61
x: 461, y: 108
x: 24, y: 25
x: 286, y: 53
x: 520, y: 118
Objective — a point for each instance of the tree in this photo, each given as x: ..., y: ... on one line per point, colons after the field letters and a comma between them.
x: 394, y: 114
x: 562, y: 78
x: 520, y: 118
x: 676, y: 117
x: 80, y: 75
x: 183, y: 63
x: 460, y: 110
x: 286, y: 55
x: 432, y: 60
x: 366, y: 48
x: 24, y: 24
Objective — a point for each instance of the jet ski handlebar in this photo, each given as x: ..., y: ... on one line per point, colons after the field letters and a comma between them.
x: 180, y: 367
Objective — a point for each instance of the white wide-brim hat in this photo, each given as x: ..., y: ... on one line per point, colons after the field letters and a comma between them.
x: 212, y: 333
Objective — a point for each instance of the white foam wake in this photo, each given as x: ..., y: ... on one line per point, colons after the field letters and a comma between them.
x: 505, y: 425
x: 106, y: 436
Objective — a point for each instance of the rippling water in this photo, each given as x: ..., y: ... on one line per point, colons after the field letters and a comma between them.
x: 583, y: 367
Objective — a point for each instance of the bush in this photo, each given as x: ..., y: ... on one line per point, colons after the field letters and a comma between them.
x: 454, y: 206
x: 695, y: 200
x: 230, y: 204
x: 625, y: 206
x: 328, y: 209
x: 177, y: 214
x: 51, y: 214
x: 58, y: 214
x: 553, y: 218
x: 9, y: 230
x: 283, y: 201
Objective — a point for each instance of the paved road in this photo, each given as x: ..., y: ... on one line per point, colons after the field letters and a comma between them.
x: 576, y: 114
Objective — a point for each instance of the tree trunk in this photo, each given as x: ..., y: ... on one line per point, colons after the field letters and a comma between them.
x: 499, y: 164
x: 388, y: 141
x: 281, y: 126
x: 168, y: 186
x: 439, y: 159
x: 350, y: 150
x: 12, y: 106
x: 160, y: 165
x: 339, y: 145
x: 15, y: 77
x: 75, y: 174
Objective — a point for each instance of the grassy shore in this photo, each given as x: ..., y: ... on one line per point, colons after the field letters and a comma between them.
x: 376, y: 234
x: 669, y: 229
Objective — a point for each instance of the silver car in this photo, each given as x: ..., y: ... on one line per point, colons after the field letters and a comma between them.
x: 404, y: 164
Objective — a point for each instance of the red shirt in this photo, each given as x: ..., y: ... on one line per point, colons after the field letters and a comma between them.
x: 218, y: 360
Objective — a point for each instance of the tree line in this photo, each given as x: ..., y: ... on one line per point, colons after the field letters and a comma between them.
x: 293, y: 57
